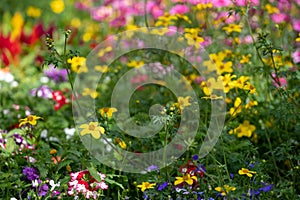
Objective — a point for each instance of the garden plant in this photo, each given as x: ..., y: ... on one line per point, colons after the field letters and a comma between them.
x: 150, y: 99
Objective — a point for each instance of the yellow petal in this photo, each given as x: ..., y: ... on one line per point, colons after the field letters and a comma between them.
x: 84, y: 132
x: 96, y: 134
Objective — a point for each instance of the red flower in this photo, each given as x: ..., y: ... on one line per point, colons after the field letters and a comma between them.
x: 9, y: 49
x: 60, y: 99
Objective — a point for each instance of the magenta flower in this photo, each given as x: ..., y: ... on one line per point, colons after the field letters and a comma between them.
x: 101, y: 13
x: 279, y: 81
x: 279, y: 18
x: 296, y: 24
x: 245, y: 2
x: 221, y: 3
x: 179, y: 9
x: 296, y: 57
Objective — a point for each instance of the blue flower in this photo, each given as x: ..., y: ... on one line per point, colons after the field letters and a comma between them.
x: 266, y: 188
x: 162, y: 186
x: 195, y: 157
x: 153, y: 168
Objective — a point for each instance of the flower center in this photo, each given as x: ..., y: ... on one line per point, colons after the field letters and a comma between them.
x: 92, y: 127
x: 30, y: 118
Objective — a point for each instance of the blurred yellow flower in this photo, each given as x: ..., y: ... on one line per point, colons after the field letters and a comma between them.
x: 31, y: 119
x: 146, y: 185
x: 271, y: 9
x: 17, y: 23
x: 57, y: 6
x: 136, y: 64
x: 108, y: 112
x: 245, y: 129
x: 183, y: 102
x: 232, y: 28
x: 33, y: 12
x: 78, y: 64
x: 247, y: 172
x: 185, y: 179
x: 92, y: 93
x: 75, y: 22
x: 93, y: 129
x: 225, y: 189
x: 102, y: 69
x: 237, y: 107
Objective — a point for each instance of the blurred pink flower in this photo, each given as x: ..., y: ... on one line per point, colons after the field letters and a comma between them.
x: 277, y: 81
x: 228, y: 19
x: 245, y: 2
x: 296, y: 24
x: 155, y: 9
x: 279, y: 18
x: 101, y: 13
x: 296, y: 57
x: 284, y: 5
x: 179, y: 9
x: 221, y: 3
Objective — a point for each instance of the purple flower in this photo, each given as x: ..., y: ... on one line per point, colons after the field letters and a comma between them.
x: 58, y: 75
x: 162, y: 186
x: 153, y: 168
x: 30, y: 173
x: 195, y: 157
x: 43, y: 92
x: 266, y: 188
x: 231, y: 175
x: 43, y: 190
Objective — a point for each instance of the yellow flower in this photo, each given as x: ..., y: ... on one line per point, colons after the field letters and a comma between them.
x: 146, y: 185
x: 94, y: 94
x: 186, y: 178
x: 33, y: 12
x: 104, y: 51
x: 121, y: 143
x: 53, y: 151
x: 183, y: 102
x: 250, y: 87
x: 78, y: 64
x: 93, y: 129
x: 237, y: 107
x: 271, y: 9
x: 232, y: 28
x: 31, y: 119
x: 240, y: 82
x: 57, y: 6
x: 17, y: 23
x: 298, y: 38
x: 108, y: 112
x: 224, y: 67
x: 75, y: 22
x: 247, y: 172
x: 193, y: 39
x: 227, y: 83
x: 204, y: 6
x: 225, y: 190
x: 245, y: 129
x: 212, y: 84
x: 245, y: 59
x: 136, y: 64
x: 102, y: 69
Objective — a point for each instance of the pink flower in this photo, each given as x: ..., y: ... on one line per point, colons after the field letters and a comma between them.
x: 221, y: 3
x: 245, y: 2
x: 155, y: 9
x: 101, y: 13
x: 179, y: 9
x: 228, y: 19
x: 279, y: 82
x: 296, y: 57
x: 279, y: 18
x: 296, y: 24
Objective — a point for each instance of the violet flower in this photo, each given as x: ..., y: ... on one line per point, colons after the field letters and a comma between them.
x: 57, y: 75
x: 162, y: 186
x: 30, y: 173
x: 43, y: 190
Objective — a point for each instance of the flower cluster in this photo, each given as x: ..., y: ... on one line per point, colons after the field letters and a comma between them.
x: 82, y: 183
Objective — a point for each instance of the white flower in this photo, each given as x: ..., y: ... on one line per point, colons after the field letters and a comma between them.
x: 53, y: 185
x: 69, y: 132
x: 35, y: 183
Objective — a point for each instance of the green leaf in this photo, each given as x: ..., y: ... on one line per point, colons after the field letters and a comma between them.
x: 94, y: 173
x: 12, y: 132
x: 10, y: 145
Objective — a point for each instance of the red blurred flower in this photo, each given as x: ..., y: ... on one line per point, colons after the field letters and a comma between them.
x: 60, y: 99
x: 10, y: 49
